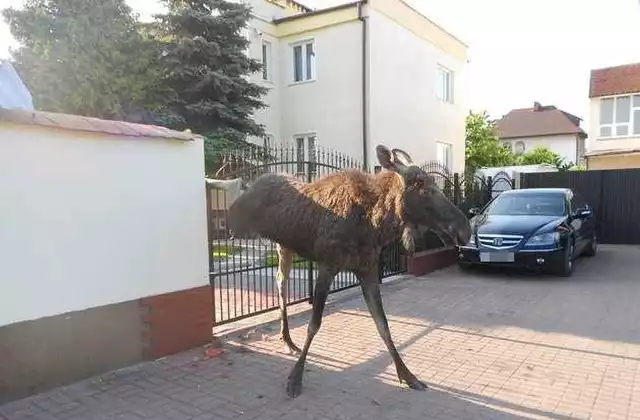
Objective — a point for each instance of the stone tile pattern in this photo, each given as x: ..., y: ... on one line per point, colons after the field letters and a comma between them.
x: 490, y: 345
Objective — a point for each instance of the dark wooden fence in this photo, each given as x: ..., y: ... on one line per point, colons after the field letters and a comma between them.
x: 613, y: 194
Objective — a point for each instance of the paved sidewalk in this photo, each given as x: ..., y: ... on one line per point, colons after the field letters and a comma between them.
x: 491, y: 346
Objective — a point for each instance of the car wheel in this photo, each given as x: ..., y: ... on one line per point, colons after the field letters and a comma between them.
x: 592, y: 249
x: 565, y: 269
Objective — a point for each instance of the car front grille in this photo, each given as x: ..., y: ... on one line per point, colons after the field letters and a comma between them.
x: 499, y: 241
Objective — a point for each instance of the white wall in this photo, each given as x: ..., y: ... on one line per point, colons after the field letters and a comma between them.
x: 405, y: 111
x: 89, y: 220
x: 596, y: 143
x: 330, y: 106
x: 564, y: 145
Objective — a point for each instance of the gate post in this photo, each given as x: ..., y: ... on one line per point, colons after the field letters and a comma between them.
x: 489, y: 192
x: 456, y: 189
x: 310, y: 265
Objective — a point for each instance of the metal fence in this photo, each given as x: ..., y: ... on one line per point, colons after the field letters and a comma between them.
x: 613, y: 194
x: 243, y: 270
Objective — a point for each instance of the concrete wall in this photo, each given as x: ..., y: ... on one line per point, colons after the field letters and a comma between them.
x: 90, y: 220
x: 405, y: 111
x: 104, y: 254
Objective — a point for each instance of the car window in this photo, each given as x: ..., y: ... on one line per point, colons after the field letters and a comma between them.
x: 529, y: 204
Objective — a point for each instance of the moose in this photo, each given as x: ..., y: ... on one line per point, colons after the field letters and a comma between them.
x: 342, y: 221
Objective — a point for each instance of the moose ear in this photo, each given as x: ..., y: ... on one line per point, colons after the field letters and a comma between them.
x: 401, y: 156
x: 385, y: 157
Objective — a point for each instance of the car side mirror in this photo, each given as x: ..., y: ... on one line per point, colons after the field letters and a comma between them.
x: 473, y: 211
x: 583, y: 213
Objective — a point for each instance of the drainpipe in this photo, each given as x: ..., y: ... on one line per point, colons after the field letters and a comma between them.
x: 365, y: 62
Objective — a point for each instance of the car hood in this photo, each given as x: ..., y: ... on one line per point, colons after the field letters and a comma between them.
x: 511, y: 225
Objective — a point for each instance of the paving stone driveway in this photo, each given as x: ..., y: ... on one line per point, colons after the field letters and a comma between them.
x: 490, y: 345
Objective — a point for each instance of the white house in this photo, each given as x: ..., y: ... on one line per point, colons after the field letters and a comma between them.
x: 614, y: 107
x: 356, y: 75
x: 525, y: 129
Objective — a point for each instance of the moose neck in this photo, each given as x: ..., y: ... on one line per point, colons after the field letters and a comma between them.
x: 387, y: 215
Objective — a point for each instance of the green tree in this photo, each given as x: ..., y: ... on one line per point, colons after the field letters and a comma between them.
x: 86, y: 57
x: 541, y: 155
x: 482, y: 147
x: 206, y: 67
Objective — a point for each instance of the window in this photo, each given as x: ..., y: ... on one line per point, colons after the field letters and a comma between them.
x: 520, y: 148
x: 266, y: 61
x: 444, y: 85
x: 620, y: 116
x: 304, y: 62
x: 306, y: 152
x: 507, y: 144
x: 445, y: 156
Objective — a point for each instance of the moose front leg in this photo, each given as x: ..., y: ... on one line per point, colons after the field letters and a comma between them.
x: 371, y: 291
x: 285, y: 261
x: 325, y: 278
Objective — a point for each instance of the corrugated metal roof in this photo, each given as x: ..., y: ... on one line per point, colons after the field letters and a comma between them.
x: 95, y: 125
x: 13, y: 92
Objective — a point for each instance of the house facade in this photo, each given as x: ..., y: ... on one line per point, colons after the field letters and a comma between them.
x: 356, y: 75
x: 614, y: 108
x: 526, y: 129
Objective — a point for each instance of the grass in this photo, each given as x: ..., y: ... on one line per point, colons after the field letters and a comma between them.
x: 221, y: 252
x: 271, y: 260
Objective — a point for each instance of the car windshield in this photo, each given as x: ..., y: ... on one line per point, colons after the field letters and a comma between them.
x: 527, y: 205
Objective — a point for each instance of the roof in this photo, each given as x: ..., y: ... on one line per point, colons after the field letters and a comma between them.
x: 613, y: 152
x: 537, y: 121
x: 615, y: 80
x: 90, y: 124
x: 13, y: 92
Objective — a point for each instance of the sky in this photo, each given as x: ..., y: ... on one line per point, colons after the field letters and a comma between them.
x: 520, y: 51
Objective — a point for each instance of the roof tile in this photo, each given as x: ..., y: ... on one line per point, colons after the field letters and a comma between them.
x: 615, y: 80
x: 537, y: 121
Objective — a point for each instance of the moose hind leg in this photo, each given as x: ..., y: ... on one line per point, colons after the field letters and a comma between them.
x: 285, y: 262
x: 325, y: 278
x: 371, y: 291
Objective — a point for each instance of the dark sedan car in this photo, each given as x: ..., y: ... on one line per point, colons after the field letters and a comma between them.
x: 544, y: 228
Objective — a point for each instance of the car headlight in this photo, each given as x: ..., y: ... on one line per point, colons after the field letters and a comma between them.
x: 549, y: 238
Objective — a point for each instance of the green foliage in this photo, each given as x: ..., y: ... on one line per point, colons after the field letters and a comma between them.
x: 541, y: 155
x: 482, y: 147
x: 85, y: 57
x: 206, y: 67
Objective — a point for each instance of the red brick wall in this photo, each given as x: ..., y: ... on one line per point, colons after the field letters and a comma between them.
x: 615, y: 80
x: 175, y: 322
x: 424, y: 263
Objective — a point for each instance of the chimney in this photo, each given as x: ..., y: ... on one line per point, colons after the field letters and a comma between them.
x: 537, y: 106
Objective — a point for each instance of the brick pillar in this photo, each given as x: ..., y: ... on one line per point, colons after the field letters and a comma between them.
x: 422, y: 263
x: 177, y: 321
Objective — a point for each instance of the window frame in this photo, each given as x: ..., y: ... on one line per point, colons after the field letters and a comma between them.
x: 306, y: 68
x: 449, y: 154
x: 445, y: 93
x: 267, y: 53
x: 515, y: 147
x: 634, y: 105
x: 306, y: 153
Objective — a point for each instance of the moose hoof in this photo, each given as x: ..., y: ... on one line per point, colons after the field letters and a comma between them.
x: 417, y: 385
x: 294, y: 386
x: 289, y: 347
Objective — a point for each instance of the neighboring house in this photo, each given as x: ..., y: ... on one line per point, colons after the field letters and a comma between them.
x: 356, y: 75
x: 525, y: 129
x: 614, y: 129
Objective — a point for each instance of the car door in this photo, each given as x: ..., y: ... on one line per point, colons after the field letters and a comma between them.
x: 579, y: 225
x: 589, y: 222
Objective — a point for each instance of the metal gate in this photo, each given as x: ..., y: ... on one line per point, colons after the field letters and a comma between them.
x: 243, y: 270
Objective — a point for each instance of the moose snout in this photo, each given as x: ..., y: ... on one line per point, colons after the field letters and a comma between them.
x: 461, y: 233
